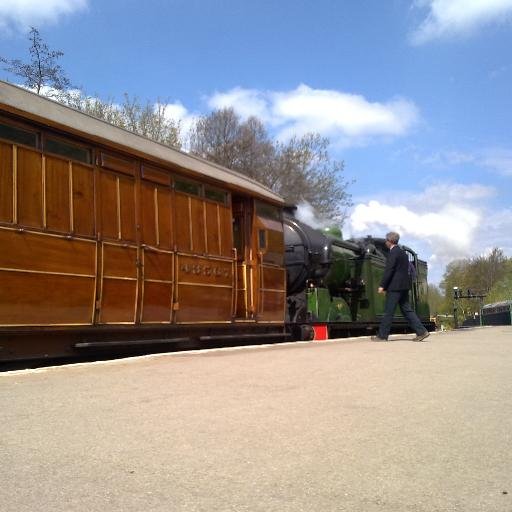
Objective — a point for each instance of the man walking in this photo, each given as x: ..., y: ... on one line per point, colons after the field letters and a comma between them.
x: 396, y: 283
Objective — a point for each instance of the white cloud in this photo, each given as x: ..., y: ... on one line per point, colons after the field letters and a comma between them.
x: 495, y: 230
x: 449, y: 229
x: 178, y: 113
x: 499, y: 160
x: 246, y: 102
x: 348, y: 119
x: 21, y: 14
x: 498, y: 72
x: 442, y: 223
x: 448, y: 18
x: 452, y: 193
x: 448, y: 158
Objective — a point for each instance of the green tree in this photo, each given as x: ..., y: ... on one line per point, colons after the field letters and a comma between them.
x: 42, y: 70
x: 502, y: 289
x: 436, y: 301
x: 486, y: 271
x: 479, y: 275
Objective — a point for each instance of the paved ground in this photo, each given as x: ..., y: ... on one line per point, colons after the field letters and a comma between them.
x: 323, y: 426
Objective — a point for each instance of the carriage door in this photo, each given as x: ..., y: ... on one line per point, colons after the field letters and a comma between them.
x: 270, y: 272
x: 117, y: 248
x: 245, y: 261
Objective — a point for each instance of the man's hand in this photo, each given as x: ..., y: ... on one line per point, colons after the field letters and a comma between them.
x: 381, y: 290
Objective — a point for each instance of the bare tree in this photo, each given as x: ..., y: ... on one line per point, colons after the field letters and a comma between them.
x: 216, y: 137
x: 223, y: 138
x: 149, y: 119
x: 42, y: 70
x: 105, y: 110
x: 304, y: 171
x: 299, y: 170
x: 256, y: 152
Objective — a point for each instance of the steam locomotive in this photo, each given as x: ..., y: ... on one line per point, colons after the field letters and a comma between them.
x: 332, y: 283
x: 112, y: 243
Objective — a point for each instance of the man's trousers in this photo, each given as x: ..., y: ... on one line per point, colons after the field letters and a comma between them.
x: 400, y: 298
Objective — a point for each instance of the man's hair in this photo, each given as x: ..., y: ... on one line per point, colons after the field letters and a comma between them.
x: 393, y: 237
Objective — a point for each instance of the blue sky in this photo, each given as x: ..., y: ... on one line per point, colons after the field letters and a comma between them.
x: 415, y: 95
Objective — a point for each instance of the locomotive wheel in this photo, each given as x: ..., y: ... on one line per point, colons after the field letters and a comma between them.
x: 306, y: 333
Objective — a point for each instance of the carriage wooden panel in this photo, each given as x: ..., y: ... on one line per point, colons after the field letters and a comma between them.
x: 39, y: 252
x: 155, y: 175
x: 119, y: 284
x: 118, y: 163
x: 118, y: 301
x: 213, y: 232
x: 204, y: 289
x: 157, y: 286
x: 82, y: 179
x: 108, y: 205
x: 149, y: 213
x: 117, y: 206
x: 6, y: 182
x: 165, y: 228
x: 127, y: 209
x: 119, y: 261
x: 201, y: 305
x: 198, y: 225
x: 37, y: 273
x: 156, y: 215
x: 219, y: 229
x: 45, y: 299
x: 29, y: 181
x: 157, y: 302
x: 226, y: 231
x: 182, y: 222
x: 272, y: 299
x: 57, y: 181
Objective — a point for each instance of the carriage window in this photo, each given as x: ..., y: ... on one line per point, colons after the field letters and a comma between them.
x: 262, y: 239
x: 70, y: 151
x: 17, y: 135
x: 218, y: 196
x: 268, y: 211
x: 187, y: 187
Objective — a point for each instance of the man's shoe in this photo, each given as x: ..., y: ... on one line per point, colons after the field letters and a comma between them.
x: 422, y: 337
x: 378, y: 338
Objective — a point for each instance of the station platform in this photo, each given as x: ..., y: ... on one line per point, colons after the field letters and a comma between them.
x: 339, y: 425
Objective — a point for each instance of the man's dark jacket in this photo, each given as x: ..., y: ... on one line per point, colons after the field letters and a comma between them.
x: 396, y: 274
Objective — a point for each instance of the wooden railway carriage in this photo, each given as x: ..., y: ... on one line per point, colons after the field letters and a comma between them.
x: 108, y: 239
